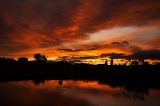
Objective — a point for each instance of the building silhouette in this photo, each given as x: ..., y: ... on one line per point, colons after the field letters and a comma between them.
x: 111, y: 62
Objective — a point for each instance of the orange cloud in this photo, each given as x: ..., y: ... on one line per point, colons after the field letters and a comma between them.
x: 30, y: 26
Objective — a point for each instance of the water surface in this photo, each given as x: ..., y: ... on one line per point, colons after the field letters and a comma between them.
x: 73, y: 93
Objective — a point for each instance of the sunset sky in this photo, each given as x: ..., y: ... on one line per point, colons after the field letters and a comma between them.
x: 80, y: 28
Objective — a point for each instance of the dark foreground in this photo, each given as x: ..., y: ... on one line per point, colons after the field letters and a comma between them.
x: 146, y: 76
x: 59, y: 84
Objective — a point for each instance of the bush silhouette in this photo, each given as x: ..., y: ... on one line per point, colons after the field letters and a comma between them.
x: 40, y: 58
x: 22, y: 59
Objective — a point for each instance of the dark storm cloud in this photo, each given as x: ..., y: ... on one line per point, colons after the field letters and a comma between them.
x: 34, y: 20
x: 147, y: 54
x: 30, y: 24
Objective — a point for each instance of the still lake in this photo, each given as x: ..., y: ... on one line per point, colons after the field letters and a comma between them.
x: 73, y: 93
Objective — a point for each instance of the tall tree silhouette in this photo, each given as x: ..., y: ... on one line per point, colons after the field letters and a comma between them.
x: 40, y: 58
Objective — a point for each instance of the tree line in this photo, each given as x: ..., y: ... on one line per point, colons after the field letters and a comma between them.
x: 38, y: 57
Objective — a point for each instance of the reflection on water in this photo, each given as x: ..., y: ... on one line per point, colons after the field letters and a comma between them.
x: 73, y: 93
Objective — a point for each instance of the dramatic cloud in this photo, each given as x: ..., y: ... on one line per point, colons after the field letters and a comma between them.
x: 35, y: 25
x: 122, y: 46
x: 150, y: 54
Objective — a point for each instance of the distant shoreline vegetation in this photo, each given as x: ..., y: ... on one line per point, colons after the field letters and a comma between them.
x: 138, y: 58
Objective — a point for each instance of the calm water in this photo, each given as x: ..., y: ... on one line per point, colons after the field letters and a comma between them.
x: 73, y: 93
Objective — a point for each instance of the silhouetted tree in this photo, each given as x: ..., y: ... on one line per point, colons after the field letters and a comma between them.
x: 37, y: 57
x: 44, y: 59
x: 22, y: 59
x: 7, y: 60
x: 40, y: 58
